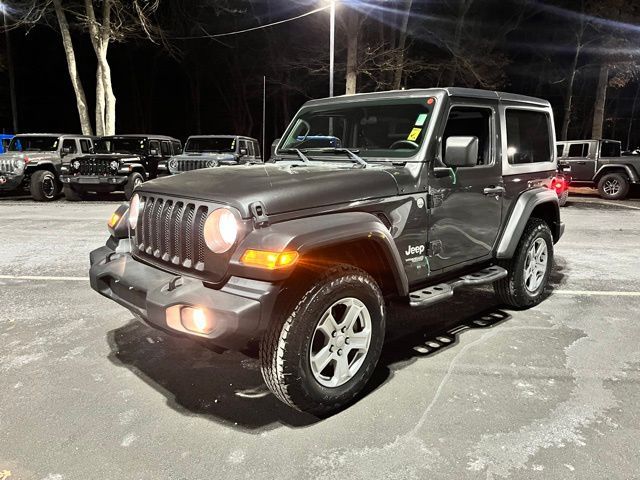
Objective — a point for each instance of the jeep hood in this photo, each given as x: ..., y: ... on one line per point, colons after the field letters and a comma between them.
x: 280, y: 187
x: 107, y: 156
x: 206, y: 156
x: 34, y: 157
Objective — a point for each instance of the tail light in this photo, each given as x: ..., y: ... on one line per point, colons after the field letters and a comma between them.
x: 559, y: 184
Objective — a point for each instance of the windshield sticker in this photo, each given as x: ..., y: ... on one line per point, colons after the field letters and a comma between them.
x: 422, y: 118
x: 415, y: 133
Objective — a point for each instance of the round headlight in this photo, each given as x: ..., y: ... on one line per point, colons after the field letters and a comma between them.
x: 19, y: 165
x: 76, y: 164
x: 114, y: 165
x: 220, y: 230
x: 173, y: 164
x: 212, y: 163
x: 134, y: 211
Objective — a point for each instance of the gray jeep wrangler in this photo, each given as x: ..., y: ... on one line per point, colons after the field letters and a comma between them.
x: 33, y: 162
x: 404, y: 196
x: 207, y: 151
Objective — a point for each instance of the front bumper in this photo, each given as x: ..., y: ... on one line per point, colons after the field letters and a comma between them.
x: 240, y: 310
x: 10, y: 181
x: 89, y: 180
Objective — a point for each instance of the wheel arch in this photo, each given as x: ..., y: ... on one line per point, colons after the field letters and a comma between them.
x: 47, y: 166
x: 616, y: 168
x: 539, y: 203
x: 356, y: 238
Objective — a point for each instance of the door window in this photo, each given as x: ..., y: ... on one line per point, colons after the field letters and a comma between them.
x: 243, y: 145
x: 177, y: 148
x: 69, y: 146
x: 559, y: 150
x: 154, y: 145
x: 166, y: 148
x: 250, y: 151
x: 578, y: 150
x: 256, y: 149
x: 528, y: 137
x: 85, y: 145
x: 470, y: 122
x: 610, y: 149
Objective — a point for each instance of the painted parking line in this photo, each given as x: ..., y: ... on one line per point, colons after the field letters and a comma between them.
x: 39, y: 278
x: 603, y: 202
x: 596, y: 293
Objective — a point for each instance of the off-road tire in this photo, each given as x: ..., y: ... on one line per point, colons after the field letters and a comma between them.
x: 44, y: 186
x: 511, y: 290
x: 131, y: 184
x: 73, y: 195
x: 563, y: 198
x: 621, y: 179
x: 285, y: 346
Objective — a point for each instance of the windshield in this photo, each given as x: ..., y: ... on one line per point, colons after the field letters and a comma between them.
x: 376, y: 129
x: 33, y: 144
x: 120, y: 145
x: 204, y: 144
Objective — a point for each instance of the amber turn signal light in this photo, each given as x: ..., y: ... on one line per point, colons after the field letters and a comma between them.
x: 113, y: 220
x: 269, y: 260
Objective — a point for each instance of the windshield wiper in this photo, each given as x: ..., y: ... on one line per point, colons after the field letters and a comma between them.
x: 351, y: 154
x: 298, y: 152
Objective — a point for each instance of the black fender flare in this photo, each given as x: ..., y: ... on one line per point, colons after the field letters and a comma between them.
x: 311, y: 233
x: 520, y: 215
x: 603, y: 170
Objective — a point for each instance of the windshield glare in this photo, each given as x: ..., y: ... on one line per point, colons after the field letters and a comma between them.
x: 197, y: 145
x: 120, y: 145
x: 393, y: 129
x: 33, y: 144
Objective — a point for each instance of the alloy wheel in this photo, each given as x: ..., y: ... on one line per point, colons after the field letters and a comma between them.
x: 340, y: 342
x: 535, y: 266
x: 611, y: 187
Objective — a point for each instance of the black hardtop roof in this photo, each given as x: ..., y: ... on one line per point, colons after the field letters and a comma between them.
x: 75, y: 135
x: 223, y: 136
x: 424, y: 92
x: 131, y: 135
x: 590, y: 140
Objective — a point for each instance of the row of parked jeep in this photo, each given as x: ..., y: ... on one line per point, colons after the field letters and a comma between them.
x: 45, y: 164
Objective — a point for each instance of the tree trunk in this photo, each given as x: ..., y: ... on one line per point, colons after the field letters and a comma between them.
x: 633, y: 114
x: 568, y: 98
x: 100, y: 130
x: 81, y: 100
x: 352, y: 53
x: 109, y: 96
x: 402, y: 42
x: 601, y: 99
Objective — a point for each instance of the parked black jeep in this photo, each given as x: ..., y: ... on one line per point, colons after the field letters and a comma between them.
x: 33, y: 162
x: 429, y: 191
x: 207, y: 151
x: 599, y: 163
x: 120, y: 163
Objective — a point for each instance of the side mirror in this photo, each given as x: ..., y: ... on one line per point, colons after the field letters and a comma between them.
x: 461, y: 152
x: 243, y: 152
x: 66, y: 150
x: 153, y: 152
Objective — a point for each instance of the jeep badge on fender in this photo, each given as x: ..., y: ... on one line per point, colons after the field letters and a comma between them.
x: 301, y: 256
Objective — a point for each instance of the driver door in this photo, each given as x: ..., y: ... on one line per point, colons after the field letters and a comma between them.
x: 466, y: 202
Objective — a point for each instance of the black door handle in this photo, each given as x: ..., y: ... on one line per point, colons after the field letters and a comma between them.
x: 493, y: 190
x: 582, y: 163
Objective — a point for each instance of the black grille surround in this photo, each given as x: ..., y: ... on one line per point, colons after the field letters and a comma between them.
x: 170, y: 234
x: 95, y: 166
x: 187, y: 165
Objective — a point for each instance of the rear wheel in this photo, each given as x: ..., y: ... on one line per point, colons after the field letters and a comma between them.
x: 529, y: 269
x: 322, y: 351
x: 44, y: 186
x: 614, y: 186
x: 134, y: 180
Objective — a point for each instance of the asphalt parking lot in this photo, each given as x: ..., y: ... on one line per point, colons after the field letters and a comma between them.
x: 464, y: 390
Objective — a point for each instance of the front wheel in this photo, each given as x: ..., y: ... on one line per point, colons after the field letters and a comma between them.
x: 44, y: 186
x: 614, y: 186
x: 134, y: 180
x: 529, y: 269
x: 323, y: 349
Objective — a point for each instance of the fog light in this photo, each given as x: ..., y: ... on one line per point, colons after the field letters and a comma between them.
x: 196, y: 320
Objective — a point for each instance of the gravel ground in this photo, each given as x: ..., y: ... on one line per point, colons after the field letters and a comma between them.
x: 87, y: 392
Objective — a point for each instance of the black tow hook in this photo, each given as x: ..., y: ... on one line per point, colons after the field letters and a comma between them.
x: 175, y: 283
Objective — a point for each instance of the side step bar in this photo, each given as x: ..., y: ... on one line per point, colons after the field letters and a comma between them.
x: 443, y: 291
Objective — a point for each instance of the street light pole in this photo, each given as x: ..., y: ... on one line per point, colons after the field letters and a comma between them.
x: 332, y: 41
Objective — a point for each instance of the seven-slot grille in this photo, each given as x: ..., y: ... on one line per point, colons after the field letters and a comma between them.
x: 6, y: 165
x: 172, y: 231
x: 186, y: 165
x: 95, y: 166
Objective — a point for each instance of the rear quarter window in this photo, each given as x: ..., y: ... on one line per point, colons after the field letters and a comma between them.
x: 528, y: 137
